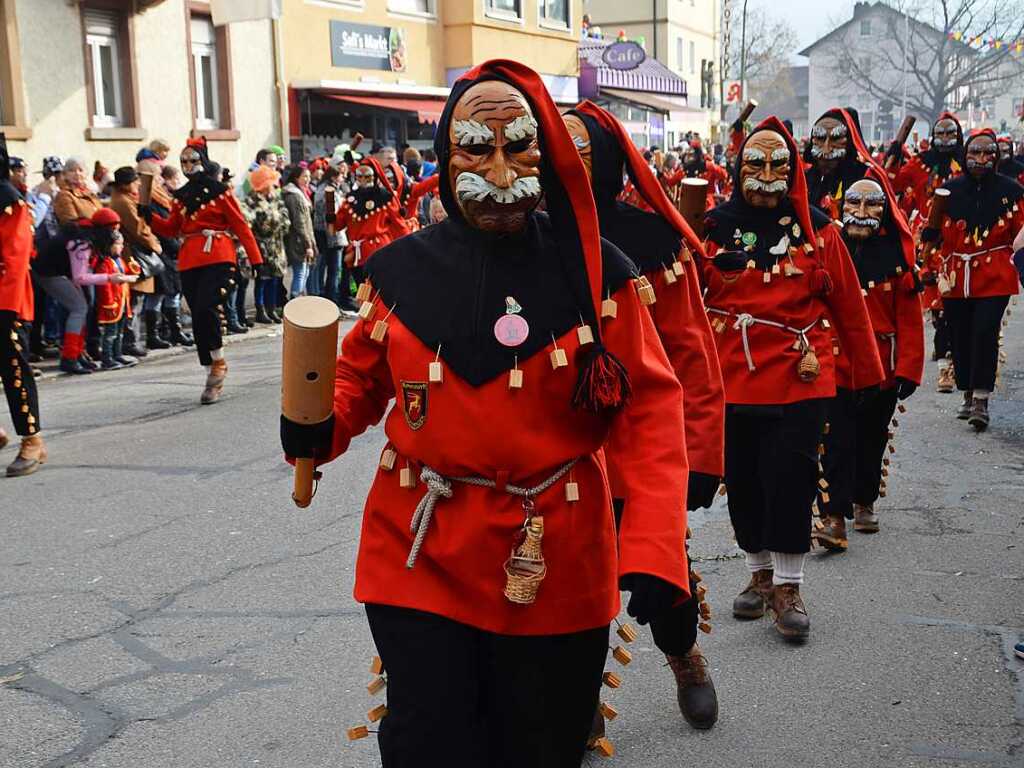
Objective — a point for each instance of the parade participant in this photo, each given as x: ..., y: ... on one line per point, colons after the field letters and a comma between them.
x: 915, y: 181
x: 1009, y: 165
x: 113, y: 297
x: 16, y: 311
x: 370, y: 215
x: 978, y: 233
x: 882, y: 248
x: 773, y: 274
x: 834, y: 161
x: 206, y: 214
x: 472, y: 323
x: 664, y: 247
x: 696, y: 166
x: 408, y: 193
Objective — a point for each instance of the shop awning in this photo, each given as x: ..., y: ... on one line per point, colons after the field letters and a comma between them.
x: 649, y: 100
x: 428, y: 110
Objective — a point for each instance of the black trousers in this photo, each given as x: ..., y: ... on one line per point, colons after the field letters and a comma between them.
x: 942, y: 346
x: 19, y: 381
x: 974, y: 329
x: 464, y: 698
x: 675, y: 631
x: 854, y: 448
x: 771, y: 472
x: 206, y: 289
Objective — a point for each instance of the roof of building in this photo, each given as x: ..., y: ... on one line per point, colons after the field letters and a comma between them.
x: 650, y: 75
x: 860, y: 9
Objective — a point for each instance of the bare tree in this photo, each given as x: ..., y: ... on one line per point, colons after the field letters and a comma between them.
x: 770, y: 43
x: 925, y: 53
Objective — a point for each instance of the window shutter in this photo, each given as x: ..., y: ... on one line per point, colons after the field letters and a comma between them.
x: 100, y: 22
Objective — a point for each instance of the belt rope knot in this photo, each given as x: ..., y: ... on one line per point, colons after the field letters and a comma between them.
x: 357, y: 249
x: 209, y: 234
x: 967, y: 258
x: 440, y: 487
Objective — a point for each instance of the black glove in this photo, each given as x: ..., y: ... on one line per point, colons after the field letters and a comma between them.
x: 866, y: 396
x: 650, y: 596
x: 146, y: 213
x: 1018, y: 262
x: 307, y: 441
x: 700, y: 490
x: 904, y: 388
x: 931, y: 235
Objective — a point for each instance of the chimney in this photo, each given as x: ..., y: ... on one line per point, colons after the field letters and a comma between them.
x: 860, y: 8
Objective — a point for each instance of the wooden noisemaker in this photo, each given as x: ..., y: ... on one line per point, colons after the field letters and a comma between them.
x: 901, y: 138
x: 940, y: 202
x: 692, y: 202
x: 748, y: 110
x: 308, y: 360
x: 145, y: 188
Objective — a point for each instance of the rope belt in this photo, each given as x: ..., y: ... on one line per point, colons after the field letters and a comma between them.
x: 744, y: 320
x: 892, y: 348
x: 439, y: 486
x: 357, y: 248
x: 209, y: 234
x: 966, y: 258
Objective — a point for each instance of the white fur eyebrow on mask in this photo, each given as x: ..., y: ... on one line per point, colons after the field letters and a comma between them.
x: 522, y: 127
x: 468, y: 132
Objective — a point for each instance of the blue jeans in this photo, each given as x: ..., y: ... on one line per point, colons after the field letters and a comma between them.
x: 300, y: 274
x: 328, y: 271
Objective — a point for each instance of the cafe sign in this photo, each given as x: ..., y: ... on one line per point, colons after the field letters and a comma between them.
x: 624, y: 55
x: 364, y: 46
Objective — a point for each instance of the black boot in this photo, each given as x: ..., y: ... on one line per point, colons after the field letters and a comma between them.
x: 274, y: 313
x: 262, y: 316
x: 120, y: 353
x: 153, y: 340
x: 110, y: 363
x: 130, y: 344
x: 178, y: 337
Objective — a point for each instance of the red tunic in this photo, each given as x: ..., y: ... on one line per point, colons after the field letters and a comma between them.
x: 113, y: 300
x: 915, y: 184
x: 369, y: 233
x: 207, y: 233
x: 518, y: 436
x: 16, y: 251
x: 789, y: 301
x: 979, y: 264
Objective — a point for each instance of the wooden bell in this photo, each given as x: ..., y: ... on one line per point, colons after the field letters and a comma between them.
x: 608, y: 712
x: 358, y: 732
x: 645, y: 291
x: 627, y: 633
x: 377, y: 713
x: 376, y: 685
x: 621, y: 655
x: 609, y: 308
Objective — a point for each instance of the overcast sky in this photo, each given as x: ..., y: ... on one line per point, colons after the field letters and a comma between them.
x: 812, y: 19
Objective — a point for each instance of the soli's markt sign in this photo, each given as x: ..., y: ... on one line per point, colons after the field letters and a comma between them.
x: 624, y: 54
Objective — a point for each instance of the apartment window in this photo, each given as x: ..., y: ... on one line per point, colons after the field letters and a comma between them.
x: 554, y: 13
x: 103, y: 44
x: 679, y: 54
x: 693, y: 57
x: 418, y: 7
x: 204, y: 73
x: 865, y: 27
x: 505, y: 9
x: 865, y: 66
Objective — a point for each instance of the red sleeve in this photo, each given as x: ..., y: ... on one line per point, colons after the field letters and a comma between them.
x: 363, y: 387
x: 341, y: 218
x: 909, y: 335
x: 652, y: 533
x: 685, y: 332
x: 850, y: 313
x: 671, y: 178
x: 419, y: 189
x: 240, y: 227
x: 170, y: 227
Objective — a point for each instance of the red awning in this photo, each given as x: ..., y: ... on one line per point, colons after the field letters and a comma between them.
x: 428, y: 110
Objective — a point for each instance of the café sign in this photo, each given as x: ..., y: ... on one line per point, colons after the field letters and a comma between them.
x: 624, y: 55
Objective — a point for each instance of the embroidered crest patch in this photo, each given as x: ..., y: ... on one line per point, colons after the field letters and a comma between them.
x: 414, y: 403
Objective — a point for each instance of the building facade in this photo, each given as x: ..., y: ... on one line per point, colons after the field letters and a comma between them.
x: 99, y: 79
x: 383, y: 68
x: 684, y: 36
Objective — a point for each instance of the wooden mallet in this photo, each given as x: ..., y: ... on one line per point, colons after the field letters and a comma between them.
x: 901, y: 138
x: 748, y: 110
x: 692, y: 202
x: 308, y: 360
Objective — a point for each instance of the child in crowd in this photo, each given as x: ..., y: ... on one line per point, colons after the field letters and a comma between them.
x: 113, y: 300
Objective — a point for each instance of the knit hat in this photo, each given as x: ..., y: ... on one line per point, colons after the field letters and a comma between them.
x: 263, y: 178
x: 124, y: 176
x: 105, y: 217
x: 52, y: 165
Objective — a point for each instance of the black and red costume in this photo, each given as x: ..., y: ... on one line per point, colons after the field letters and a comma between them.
x: 774, y: 277
x: 826, y: 190
x: 372, y: 217
x: 488, y: 681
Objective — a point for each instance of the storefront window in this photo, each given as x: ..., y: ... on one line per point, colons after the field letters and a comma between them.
x: 505, y: 9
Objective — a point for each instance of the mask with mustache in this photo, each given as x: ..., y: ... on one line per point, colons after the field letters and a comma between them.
x: 863, y: 209
x: 829, y: 138
x: 764, y: 169
x: 981, y: 154
x: 944, y: 135
x: 494, y: 166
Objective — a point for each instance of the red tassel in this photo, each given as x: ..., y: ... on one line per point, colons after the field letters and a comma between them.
x: 603, y: 383
x: 820, y: 282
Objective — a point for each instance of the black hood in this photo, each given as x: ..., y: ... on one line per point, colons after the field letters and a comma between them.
x: 202, y: 186
x: 849, y: 169
x: 979, y: 203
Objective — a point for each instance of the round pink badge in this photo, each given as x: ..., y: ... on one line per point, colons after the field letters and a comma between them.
x: 511, y: 330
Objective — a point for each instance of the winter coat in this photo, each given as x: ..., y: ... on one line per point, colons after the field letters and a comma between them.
x: 300, y: 236
x: 74, y: 204
x: 269, y: 221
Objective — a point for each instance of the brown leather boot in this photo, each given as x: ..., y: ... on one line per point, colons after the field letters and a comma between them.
x: 749, y: 604
x: 964, y: 411
x: 833, y: 535
x: 788, y: 612
x: 864, y: 518
x: 214, y: 382
x: 31, y: 456
x: 695, y: 690
x: 979, y: 414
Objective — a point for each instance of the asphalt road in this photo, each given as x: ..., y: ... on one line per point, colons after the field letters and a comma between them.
x: 164, y: 605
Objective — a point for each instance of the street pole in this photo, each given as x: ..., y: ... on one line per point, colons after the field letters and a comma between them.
x: 743, y: 58
x: 906, y: 45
